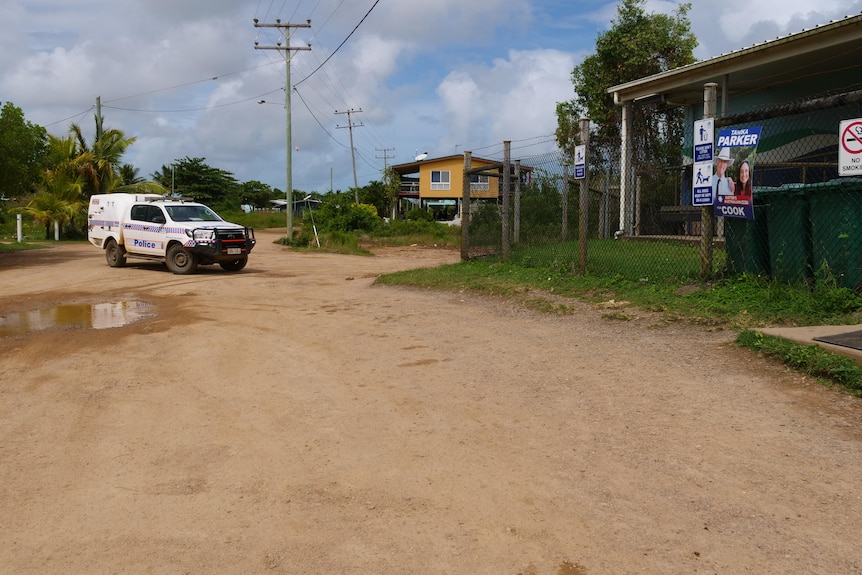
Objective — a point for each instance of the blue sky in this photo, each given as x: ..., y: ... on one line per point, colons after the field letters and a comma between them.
x: 436, y: 76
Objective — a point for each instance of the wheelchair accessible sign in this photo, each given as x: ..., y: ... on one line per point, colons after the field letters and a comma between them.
x: 704, y: 136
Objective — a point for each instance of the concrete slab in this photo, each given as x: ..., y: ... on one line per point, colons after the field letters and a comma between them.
x: 806, y: 335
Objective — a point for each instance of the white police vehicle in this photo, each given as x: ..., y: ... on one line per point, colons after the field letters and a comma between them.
x: 181, y: 233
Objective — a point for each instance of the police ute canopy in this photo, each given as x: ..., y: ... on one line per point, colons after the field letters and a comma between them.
x: 181, y: 233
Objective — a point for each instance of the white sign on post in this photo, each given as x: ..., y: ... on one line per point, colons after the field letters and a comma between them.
x: 850, y: 148
x: 580, y: 162
x: 704, y: 137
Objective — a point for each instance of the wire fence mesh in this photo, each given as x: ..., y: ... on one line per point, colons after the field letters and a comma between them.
x: 807, y: 223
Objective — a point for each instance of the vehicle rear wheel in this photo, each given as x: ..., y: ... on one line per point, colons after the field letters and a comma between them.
x: 234, y: 265
x: 115, y: 254
x: 181, y: 261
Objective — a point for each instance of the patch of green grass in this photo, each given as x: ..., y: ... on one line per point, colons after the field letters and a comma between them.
x: 421, y: 232
x: 347, y: 243
x: 258, y: 220
x: 809, y: 359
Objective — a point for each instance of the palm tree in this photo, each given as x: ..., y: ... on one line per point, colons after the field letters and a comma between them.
x: 59, y: 199
x: 129, y: 175
x: 78, y: 171
x: 101, y: 170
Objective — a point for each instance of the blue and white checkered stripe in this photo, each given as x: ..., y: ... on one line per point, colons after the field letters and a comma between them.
x: 104, y: 223
x: 151, y: 228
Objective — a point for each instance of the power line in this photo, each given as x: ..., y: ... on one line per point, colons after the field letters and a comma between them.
x: 355, y: 28
x: 192, y: 83
x: 316, y: 120
x: 193, y: 109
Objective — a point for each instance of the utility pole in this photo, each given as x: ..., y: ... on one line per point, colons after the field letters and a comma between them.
x: 98, y: 118
x: 286, y: 28
x: 385, y: 156
x: 350, y: 125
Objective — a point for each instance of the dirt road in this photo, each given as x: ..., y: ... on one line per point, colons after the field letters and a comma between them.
x: 295, y: 418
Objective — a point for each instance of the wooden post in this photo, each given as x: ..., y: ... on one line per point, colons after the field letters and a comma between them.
x: 507, y: 192
x: 707, y: 213
x: 465, y: 206
x: 584, y: 201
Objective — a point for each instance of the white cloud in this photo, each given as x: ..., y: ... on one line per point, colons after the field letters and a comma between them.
x: 514, y: 98
x: 735, y: 24
x: 184, y: 77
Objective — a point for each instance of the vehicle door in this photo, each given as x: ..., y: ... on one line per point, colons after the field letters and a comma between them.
x: 145, y: 230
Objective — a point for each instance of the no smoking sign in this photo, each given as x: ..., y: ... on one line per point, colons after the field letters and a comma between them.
x: 850, y: 148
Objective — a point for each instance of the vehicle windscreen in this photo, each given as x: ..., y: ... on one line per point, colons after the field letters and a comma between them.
x: 192, y: 214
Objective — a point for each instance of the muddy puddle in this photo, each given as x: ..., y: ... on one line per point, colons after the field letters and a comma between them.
x: 75, y: 316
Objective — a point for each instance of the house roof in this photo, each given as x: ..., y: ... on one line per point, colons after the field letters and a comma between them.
x: 413, y: 167
x: 825, y: 49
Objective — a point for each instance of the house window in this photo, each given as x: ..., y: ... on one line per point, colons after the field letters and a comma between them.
x: 439, y: 179
x: 478, y: 182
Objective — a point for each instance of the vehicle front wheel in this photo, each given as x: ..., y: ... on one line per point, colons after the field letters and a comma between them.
x: 234, y: 265
x: 181, y: 261
x: 115, y: 254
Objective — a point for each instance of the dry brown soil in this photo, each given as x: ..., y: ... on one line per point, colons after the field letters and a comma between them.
x: 296, y: 418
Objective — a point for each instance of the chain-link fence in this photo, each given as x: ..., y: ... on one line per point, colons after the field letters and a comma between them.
x: 807, y: 222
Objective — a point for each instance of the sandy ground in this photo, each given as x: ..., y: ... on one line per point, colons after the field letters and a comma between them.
x: 295, y: 418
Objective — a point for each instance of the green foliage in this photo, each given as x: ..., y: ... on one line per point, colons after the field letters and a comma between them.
x: 258, y: 220
x: 193, y: 178
x: 637, y: 45
x: 339, y: 212
x: 252, y: 193
x: 541, y: 210
x: 419, y: 215
x: 23, y: 151
x: 424, y: 232
x: 809, y: 359
x: 376, y: 194
x: 486, y: 225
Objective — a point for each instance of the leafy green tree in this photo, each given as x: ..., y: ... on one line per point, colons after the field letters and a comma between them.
x: 637, y: 45
x: 193, y: 178
x: 23, y: 149
x: 374, y: 194
x: 382, y: 194
x: 256, y: 194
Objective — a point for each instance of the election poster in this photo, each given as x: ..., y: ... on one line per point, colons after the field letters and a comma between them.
x: 733, y: 174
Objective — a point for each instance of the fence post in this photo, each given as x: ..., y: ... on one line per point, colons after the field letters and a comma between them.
x: 517, y: 223
x: 707, y: 213
x: 465, y: 206
x: 584, y: 203
x: 565, y: 237
x: 627, y: 210
x: 507, y: 192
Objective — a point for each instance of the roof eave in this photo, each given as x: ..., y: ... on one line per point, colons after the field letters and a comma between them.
x: 834, y: 33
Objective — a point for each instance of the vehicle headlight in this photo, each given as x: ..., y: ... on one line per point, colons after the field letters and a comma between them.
x: 201, y: 235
